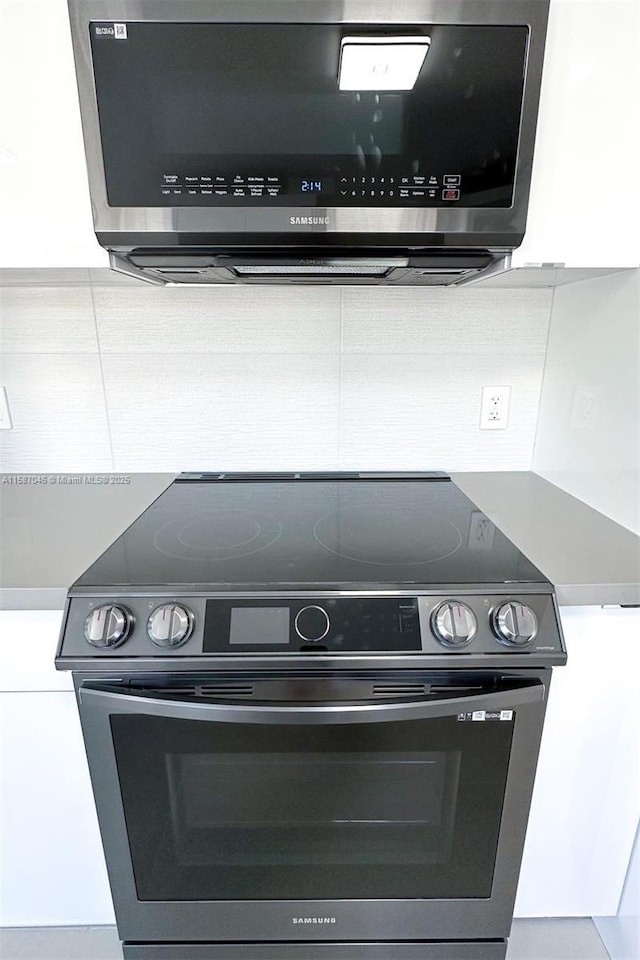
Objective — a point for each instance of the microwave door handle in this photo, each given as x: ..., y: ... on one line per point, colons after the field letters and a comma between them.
x: 275, y: 713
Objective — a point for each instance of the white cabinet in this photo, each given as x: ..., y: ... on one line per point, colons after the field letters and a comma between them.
x: 52, y: 869
x: 583, y: 209
x: 44, y: 192
x: 586, y: 801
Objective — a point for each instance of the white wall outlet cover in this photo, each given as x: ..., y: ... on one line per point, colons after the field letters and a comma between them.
x: 584, y: 409
x: 494, y: 408
x: 481, y: 531
x: 5, y: 417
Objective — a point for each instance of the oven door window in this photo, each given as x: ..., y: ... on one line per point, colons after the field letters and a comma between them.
x: 231, y: 811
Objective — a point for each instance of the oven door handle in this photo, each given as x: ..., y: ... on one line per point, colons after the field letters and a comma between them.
x: 113, y: 700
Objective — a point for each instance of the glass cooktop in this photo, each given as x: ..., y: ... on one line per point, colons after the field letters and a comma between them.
x: 221, y: 534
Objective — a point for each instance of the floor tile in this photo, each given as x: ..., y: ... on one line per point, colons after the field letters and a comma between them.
x: 563, y: 939
x: 557, y: 939
x: 60, y: 943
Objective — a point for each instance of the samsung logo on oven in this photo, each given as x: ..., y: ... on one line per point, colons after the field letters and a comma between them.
x: 314, y: 920
x: 307, y: 221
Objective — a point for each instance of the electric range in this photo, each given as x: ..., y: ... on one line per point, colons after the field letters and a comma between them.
x: 312, y: 706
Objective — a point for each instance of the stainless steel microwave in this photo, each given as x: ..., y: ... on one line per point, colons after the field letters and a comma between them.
x: 281, y: 141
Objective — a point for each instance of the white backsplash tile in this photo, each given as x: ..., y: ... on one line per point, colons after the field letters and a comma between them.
x: 58, y: 414
x: 45, y: 276
x: 482, y: 324
x: 221, y: 320
x: 47, y: 319
x: 269, y: 377
x: 213, y: 411
x: 404, y: 411
x: 588, y: 438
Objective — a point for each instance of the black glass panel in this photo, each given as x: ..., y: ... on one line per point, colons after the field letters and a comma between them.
x: 365, y: 811
x: 208, y: 114
x: 280, y: 533
x: 337, y: 624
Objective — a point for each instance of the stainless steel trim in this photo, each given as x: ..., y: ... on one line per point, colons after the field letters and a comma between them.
x: 121, y: 265
x: 327, y: 713
x: 498, y: 267
x: 335, y: 950
x: 312, y: 606
x: 312, y: 661
x: 268, y: 220
x: 212, y: 590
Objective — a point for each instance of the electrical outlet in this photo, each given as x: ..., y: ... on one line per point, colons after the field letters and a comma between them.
x: 583, y: 409
x: 481, y: 532
x: 5, y: 418
x: 494, y: 409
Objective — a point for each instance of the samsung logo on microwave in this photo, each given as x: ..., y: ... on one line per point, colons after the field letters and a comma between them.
x: 307, y: 221
x: 314, y: 920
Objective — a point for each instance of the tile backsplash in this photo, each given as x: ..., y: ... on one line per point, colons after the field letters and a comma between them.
x: 128, y: 377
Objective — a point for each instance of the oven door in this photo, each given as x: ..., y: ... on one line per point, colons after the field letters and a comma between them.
x: 314, y: 808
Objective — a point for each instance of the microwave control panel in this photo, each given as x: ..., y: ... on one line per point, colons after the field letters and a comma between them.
x: 413, y: 189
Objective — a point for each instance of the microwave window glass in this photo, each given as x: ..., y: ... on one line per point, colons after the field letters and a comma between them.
x: 223, y: 114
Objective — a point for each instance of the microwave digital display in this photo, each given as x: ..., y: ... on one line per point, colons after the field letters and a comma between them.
x: 314, y: 186
x: 233, y: 115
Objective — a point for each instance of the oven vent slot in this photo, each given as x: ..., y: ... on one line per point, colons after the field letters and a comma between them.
x: 399, y: 689
x: 258, y: 476
x: 228, y: 691
x: 451, y: 689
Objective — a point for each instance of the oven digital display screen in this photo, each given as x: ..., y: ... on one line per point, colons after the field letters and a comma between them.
x: 259, y: 625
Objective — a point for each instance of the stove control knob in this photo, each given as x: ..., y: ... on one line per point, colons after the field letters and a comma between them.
x: 312, y: 624
x: 454, y: 624
x: 514, y: 624
x: 108, y: 626
x: 170, y: 625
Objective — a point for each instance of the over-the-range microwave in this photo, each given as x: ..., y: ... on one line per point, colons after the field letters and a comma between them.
x: 361, y: 141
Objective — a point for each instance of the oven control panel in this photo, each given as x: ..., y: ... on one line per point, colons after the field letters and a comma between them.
x: 173, y: 626
x: 336, y: 625
x: 115, y: 627
x: 497, y: 624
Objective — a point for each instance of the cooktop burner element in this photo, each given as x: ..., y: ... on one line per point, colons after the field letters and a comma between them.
x: 218, y: 535
x: 255, y: 532
x: 394, y: 537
